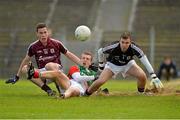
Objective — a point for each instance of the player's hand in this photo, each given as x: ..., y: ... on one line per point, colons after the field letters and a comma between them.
x: 31, y: 71
x: 12, y: 80
x: 156, y: 82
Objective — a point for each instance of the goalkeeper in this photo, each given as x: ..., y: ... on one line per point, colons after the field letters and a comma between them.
x: 120, y: 60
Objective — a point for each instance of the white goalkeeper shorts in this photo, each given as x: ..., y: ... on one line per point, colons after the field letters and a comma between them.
x: 120, y: 69
x: 74, y: 84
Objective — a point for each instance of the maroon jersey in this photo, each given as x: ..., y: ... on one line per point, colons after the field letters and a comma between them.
x: 45, y: 54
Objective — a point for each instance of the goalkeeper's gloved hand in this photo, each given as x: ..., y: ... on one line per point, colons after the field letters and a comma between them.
x: 156, y: 81
x: 12, y: 80
x: 101, y: 66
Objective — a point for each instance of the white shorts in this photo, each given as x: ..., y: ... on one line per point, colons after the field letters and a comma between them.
x: 44, y: 69
x: 74, y: 84
x: 79, y: 86
x: 120, y: 69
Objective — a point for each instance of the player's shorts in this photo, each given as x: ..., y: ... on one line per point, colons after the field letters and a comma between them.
x: 120, y: 69
x: 79, y: 86
x: 74, y: 84
x: 44, y: 69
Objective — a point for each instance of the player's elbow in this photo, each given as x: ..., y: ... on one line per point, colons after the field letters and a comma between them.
x: 100, y: 51
x: 101, y: 57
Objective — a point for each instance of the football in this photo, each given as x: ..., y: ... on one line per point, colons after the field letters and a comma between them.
x: 82, y: 33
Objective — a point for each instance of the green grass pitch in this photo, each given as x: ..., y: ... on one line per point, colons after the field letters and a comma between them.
x: 24, y: 100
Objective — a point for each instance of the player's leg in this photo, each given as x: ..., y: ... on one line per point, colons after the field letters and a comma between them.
x: 74, y: 90
x: 104, y: 76
x: 138, y: 73
x: 172, y: 73
x: 59, y: 77
x: 36, y: 81
x: 165, y: 74
x: 53, y: 66
x: 71, y: 92
x: 40, y: 83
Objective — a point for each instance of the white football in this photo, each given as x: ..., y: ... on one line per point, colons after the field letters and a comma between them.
x: 82, y: 33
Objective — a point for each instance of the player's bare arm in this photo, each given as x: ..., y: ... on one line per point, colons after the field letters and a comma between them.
x: 25, y: 61
x: 73, y: 57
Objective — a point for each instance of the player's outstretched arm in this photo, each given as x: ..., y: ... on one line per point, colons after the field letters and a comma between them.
x: 155, y: 81
x: 73, y: 57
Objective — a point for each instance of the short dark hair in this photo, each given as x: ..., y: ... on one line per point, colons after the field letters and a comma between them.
x: 126, y: 35
x: 40, y: 25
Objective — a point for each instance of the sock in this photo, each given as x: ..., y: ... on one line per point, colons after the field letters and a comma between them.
x: 87, y: 93
x: 140, y: 89
x: 62, y: 96
x: 45, y: 88
x: 36, y: 74
x: 58, y: 88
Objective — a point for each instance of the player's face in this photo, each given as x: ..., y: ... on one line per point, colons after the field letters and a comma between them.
x: 167, y: 61
x: 125, y: 43
x: 86, y: 60
x: 43, y: 34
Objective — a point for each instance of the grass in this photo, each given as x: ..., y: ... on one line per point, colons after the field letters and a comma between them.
x: 24, y: 100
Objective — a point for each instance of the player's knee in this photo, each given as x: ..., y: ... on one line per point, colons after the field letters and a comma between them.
x: 172, y: 71
x: 76, y: 92
x: 73, y: 91
x: 164, y: 72
x: 51, y: 66
x: 24, y: 69
x: 57, y: 73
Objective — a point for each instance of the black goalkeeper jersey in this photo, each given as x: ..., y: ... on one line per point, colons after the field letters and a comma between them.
x: 117, y: 57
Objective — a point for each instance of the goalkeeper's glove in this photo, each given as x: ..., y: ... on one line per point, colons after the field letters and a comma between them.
x: 101, y: 66
x: 12, y: 80
x: 156, y: 81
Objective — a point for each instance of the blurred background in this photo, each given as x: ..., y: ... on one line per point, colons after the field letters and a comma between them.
x: 155, y: 25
